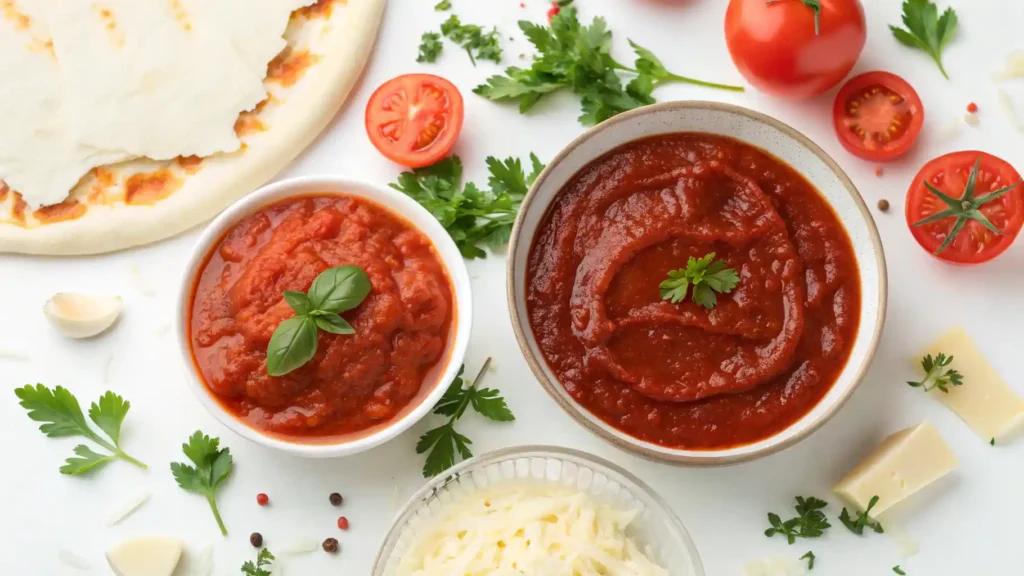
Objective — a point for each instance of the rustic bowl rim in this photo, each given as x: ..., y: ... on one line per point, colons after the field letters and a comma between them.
x: 710, y: 458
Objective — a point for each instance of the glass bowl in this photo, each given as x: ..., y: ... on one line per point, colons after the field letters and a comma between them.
x: 656, y: 527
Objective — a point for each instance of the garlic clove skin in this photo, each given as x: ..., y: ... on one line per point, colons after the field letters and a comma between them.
x: 82, y: 315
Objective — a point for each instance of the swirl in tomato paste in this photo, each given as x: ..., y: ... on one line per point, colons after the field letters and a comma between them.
x: 680, y: 374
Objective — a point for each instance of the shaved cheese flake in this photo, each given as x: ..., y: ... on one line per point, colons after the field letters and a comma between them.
x: 971, y: 119
x: 1014, y: 68
x: 202, y: 563
x: 302, y: 546
x: 140, y: 283
x: 106, y: 368
x: 127, y: 508
x: 527, y: 529
x: 774, y: 566
x: 69, y: 558
x: 16, y: 355
x: 908, y: 546
x: 1006, y: 103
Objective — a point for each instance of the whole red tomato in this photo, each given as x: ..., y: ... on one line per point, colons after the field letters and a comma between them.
x: 795, y: 48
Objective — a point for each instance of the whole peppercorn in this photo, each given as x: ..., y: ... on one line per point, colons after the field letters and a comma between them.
x: 336, y: 499
x: 330, y: 545
x: 883, y: 205
x: 262, y: 499
x: 256, y: 539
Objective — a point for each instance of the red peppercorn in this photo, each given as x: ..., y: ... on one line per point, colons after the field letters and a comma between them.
x: 878, y: 171
x: 522, y: 4
x: 343, y: 523
x: 972, y: 107
x: 553, y: 11
x: 262, y: 499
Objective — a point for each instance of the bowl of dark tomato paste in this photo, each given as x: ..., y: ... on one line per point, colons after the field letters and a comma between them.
x: 323, y: 316
x: 697, y: 283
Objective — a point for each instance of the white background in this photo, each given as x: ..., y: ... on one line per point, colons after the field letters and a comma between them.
x: 969, y: 523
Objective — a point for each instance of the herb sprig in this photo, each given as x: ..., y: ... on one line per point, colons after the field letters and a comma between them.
x: 810, y: 559
x: 926, y: 30
x: 474, y: 218
x: 263, y: 565
x: 937, y: 374
x: 479, y: 45
x: 899, y: 570
x: 334, y: 291
x: 443, y: 442
x: 430, y: 47
x: 213, y: 465
x: 62, y: 416
x: 965, y: 208
x: 443, y: 5
x: 862, y: 520
x: 706, y: 277
x: 810, y: 521
x: 578, y: 58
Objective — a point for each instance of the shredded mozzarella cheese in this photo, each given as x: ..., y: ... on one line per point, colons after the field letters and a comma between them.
x: 527, y: 529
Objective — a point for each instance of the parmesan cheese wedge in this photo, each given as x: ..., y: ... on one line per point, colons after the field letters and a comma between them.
x: 153, y: 79
x: 906, y: 462
x: 984, y: 401
x: 153, y: 556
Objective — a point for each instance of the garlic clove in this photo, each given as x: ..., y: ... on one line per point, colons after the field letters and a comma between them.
x: 153, y: 556
x: 82, y: 315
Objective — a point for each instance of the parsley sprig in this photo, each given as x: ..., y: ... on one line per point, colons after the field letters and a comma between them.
x: 810, y: 559
x: 937, y: 374
x: 862, y: 520
x: 473, y: 217
x: 578, y: 58
x: 334, y: 291
x: 444, y: 441
x: 478, y: 44
x: 263, y: 565
x: 705, y: 275
x: 58, y: 409
x: 809, y: 523
x: 926, y: 30
x: 965, y: 208
x: 430, y: 47
x: 899, y: 570
x: 213, y: 465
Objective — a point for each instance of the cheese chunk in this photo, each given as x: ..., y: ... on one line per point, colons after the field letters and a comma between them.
x: 153, y: 79
x: 906, y: 462
x: 984, y: 401
x: 145, y: 557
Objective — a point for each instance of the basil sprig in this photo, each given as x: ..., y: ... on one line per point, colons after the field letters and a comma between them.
x: 334, y: 291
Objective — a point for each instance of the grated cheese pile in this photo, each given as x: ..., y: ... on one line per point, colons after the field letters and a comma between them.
x: 527, y: 529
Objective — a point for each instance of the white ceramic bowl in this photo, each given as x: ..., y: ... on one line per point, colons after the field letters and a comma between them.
x: 765, y: 133
x: 655, y: 526
x: 393, y: 200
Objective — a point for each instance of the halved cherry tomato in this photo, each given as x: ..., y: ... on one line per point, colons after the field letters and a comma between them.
x: 415, y: 119
x: 974, y: 243
x: 877, y: 116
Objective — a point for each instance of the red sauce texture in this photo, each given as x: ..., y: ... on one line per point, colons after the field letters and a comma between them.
x: 681, y: 375
x: 355, y: 382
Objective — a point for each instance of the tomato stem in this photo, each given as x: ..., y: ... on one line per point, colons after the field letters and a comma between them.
x: 814, y: 5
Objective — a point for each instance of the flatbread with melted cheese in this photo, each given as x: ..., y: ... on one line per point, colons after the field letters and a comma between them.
x: 129, y: 203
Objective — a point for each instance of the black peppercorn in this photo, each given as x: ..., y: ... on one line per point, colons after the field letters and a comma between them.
x: 336, y: 499
x: 256, y: 539
x: 883, y: 205
x: 330, y: 545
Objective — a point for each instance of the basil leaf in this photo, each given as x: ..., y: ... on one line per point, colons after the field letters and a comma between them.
x: 334, y: 324
x: 298, y: 301
x: 292, y: 345
x: 339, y: 289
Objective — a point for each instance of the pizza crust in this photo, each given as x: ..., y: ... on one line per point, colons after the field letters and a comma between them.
x: 307, y: 108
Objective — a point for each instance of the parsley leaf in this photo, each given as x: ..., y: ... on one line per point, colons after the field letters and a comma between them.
x: 472, y: 39
x: 857, y: 525
x: 430, y: 47
x: 213, y: 465
x: 810, y: 522
x: 473, y: 217
x: 62, y: 416
x: 705, y: 276
x: 810, y: 559
x: 264, y: 562
x: 925, y: 29
x: 936, y: 375
x: 899, y: 570
x: 578, y: 58
x: 443, y: 5
x: 443, y: 442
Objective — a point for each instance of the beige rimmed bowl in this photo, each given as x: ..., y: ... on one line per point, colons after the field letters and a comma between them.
x: 768, y: 134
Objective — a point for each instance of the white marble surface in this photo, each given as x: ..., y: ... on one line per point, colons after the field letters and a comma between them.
x: 967, y: 524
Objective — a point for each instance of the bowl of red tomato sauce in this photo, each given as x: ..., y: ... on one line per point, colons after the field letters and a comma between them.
x: 697, y: 283
x: 323, y: 316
